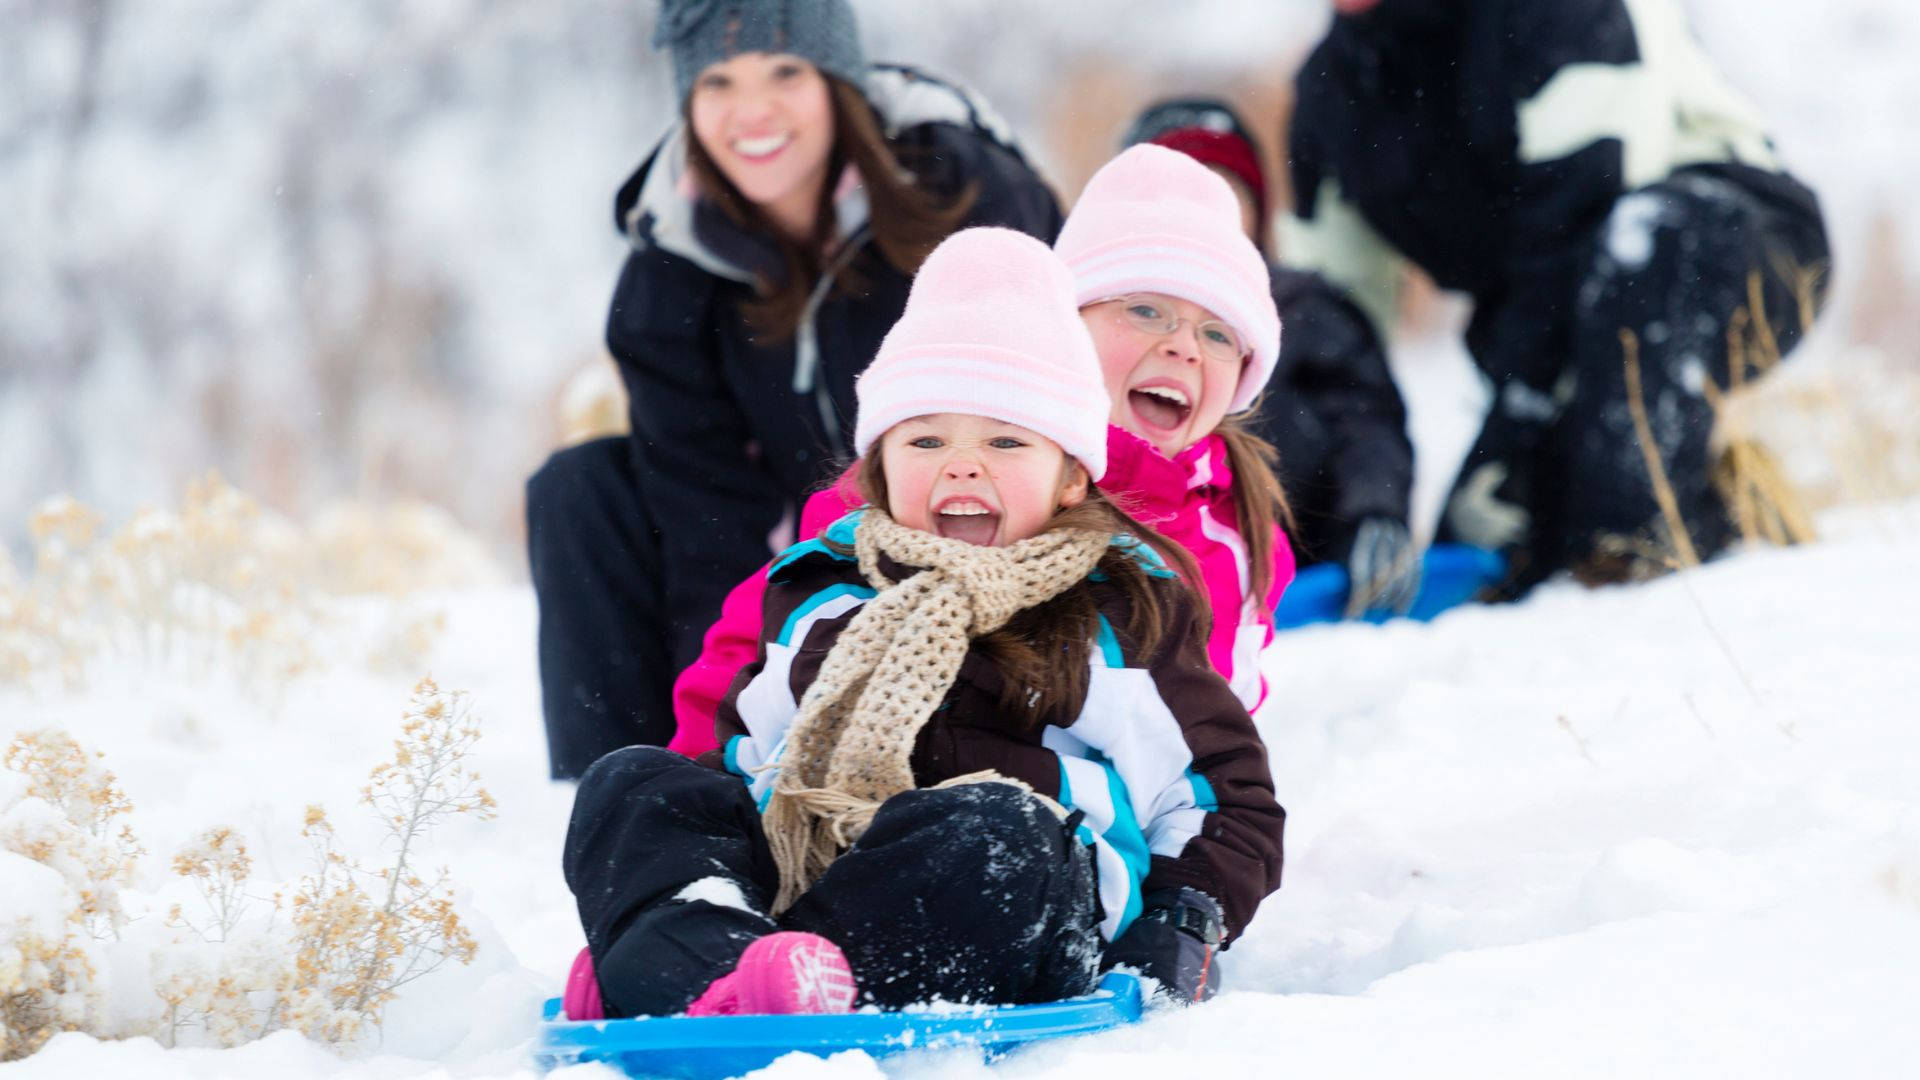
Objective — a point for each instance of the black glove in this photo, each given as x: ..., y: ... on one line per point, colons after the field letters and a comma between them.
x: 1384, y: 568
x: 1176, y: 940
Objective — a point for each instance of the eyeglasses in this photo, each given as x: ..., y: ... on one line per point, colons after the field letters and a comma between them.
x: 1151, y: 313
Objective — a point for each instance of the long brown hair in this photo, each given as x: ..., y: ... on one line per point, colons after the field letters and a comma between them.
x: 1043, y: 653
x: 907, y: 219
x: 1259, y: 501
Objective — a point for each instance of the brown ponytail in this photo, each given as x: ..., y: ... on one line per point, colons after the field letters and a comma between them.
x: 1258, y: 499
x: 907, y: 219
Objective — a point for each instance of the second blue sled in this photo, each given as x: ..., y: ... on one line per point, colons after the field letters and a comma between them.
x: 1450, y: 575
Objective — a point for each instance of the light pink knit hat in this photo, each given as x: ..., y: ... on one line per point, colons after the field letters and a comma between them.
x: 991, y: 329
x: 1155, y: 220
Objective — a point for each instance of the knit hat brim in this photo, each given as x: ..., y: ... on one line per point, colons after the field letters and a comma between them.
x: 991, y: 329
x: 982, y: 380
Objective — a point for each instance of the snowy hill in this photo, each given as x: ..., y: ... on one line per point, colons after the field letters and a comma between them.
x: 1667, y: 829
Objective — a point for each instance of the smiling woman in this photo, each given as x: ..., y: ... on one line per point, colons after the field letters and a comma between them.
x: 774, y: 231
x: 765, y: 120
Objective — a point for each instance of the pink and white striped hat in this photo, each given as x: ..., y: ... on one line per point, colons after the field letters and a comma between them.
x: 991, y: 329
x: 1155, y: 220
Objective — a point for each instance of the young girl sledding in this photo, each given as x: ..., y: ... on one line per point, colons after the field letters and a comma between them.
x: 982, y: 751
x: 1179, y: 305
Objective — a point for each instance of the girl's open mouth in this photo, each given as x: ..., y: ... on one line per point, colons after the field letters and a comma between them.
x: 1164, y: 408
x: 968, y: 521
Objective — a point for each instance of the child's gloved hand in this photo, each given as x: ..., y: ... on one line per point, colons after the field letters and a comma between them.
x: 1176, y: 940
x: 1384, y: 568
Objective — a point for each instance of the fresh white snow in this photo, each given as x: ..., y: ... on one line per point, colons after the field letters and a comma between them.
x: 1669, y: 828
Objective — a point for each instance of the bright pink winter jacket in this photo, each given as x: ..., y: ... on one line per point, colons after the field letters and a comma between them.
x: 1188, y: 498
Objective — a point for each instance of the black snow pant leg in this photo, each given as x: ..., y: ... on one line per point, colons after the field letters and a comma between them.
x: 671, y: 872
x: 1557, y: 476
x: 606, y: 677
x: 1673, y: 267
x: 975, y: 893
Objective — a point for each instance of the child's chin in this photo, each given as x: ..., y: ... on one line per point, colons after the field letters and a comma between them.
x: 1159, y: 440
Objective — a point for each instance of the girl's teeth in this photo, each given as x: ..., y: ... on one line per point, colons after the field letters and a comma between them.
x: 964, y: 511
x: 760, y: 147
x: 1166, y: 392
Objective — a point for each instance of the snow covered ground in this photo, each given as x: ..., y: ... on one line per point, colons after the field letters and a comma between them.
x: 1668, y: 829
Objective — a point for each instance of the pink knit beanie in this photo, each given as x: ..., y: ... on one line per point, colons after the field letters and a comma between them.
x: 991, y: 329
x: 1156, y: 220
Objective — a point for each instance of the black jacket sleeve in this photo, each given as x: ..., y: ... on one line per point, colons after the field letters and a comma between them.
x: 1333, y: 377
x: 714, y: 504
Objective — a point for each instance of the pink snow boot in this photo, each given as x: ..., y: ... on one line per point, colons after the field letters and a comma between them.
x: 581, y: 999
x: 785, y: 973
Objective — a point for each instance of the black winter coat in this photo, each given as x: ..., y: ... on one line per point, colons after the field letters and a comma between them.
x: 729, y: 436
x: 1334, y: 413
x: 1487, y: 141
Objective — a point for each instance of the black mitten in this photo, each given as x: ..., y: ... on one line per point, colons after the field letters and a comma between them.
x: 1176, y: 940
x: 1384, y: 569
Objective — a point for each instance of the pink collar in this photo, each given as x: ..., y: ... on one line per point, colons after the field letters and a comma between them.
x: 1134, y: 466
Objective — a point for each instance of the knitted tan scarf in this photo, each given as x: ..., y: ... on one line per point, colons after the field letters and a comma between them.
x: 847, y: 751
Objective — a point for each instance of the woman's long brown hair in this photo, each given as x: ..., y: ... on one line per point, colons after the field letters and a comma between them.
x: 907, y: 219
x: 1043, y: 654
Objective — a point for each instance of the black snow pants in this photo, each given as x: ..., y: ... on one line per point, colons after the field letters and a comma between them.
x: 606, y: 663
x: 1558, y: 471
x: 975, y: 893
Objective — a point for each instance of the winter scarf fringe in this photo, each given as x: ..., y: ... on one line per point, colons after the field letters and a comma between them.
x: 848, y: 749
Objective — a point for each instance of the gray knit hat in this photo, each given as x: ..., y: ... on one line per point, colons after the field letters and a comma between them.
x: 703, y: 32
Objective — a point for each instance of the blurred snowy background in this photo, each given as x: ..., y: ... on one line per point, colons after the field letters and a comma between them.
x: 356, y: 248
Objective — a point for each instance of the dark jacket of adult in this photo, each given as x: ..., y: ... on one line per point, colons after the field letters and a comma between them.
x: 1487, y: 141
x: 729, y: 434
x: 1334, y: 413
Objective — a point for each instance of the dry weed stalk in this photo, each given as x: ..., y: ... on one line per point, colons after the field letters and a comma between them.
x: 394, y: 550
x: 1764, y: 503
x: 91, y: 850
x: 64, y: 820
x: 47, y: 986
x: 1650, y: 450
x: 219, y: 583
x: 354, y: 935
x: 361, y: 935
x: 218, y: 865
x: 214, y: 581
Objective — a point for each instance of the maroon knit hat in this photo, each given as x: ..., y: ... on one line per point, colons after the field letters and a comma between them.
x: 1210, y: 132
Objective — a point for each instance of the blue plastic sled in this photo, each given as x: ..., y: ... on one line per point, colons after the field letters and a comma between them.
x: 1450, y: 574
x: 720, y: 1046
